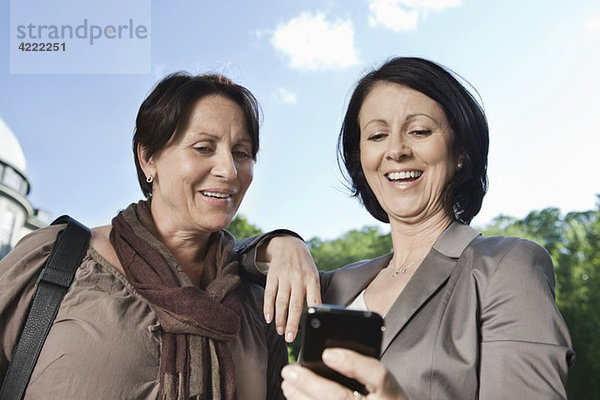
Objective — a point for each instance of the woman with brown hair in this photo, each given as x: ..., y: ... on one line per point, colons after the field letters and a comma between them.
x: 157, y: 309
x: 466, y: 316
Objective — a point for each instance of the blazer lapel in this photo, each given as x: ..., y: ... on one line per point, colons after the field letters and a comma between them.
x: 432, y: 273
x: 435, y: 269
x: 349, y: 281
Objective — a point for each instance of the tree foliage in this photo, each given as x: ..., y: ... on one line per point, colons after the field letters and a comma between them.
x: 240, y: 228
x: 355, y: 245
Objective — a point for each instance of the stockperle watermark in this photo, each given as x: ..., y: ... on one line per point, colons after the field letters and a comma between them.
x: 62, y: 36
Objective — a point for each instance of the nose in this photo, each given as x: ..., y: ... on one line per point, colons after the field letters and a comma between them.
x: 224, y: 166
x: 398, y: 147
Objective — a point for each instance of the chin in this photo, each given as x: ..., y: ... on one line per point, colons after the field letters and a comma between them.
x: 213, y: 225
x: 404, y: 214
x: 401, y: 210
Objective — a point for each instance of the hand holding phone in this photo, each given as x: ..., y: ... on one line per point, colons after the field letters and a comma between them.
x: 328, y: 326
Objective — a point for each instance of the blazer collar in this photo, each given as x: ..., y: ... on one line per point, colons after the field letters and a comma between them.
x: 431, y: 274
x: 355, y: 278
x: 455, y: 239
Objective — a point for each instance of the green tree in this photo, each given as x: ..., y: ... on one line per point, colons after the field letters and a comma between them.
x: 578, y: 274
x: 240, y: 228
x: 354, y: 245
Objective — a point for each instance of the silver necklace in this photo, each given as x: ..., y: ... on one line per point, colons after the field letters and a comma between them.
x: 400, y: 271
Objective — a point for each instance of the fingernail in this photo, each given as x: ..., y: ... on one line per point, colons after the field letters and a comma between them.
x: 268, y: 318
x: 279, y: 330
x: 289, y: 337
x: 332, y: 357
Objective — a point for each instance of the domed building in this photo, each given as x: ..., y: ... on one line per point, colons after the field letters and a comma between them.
x: 17, y: 215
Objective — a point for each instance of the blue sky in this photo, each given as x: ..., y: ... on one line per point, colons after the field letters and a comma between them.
x: 534, y: 64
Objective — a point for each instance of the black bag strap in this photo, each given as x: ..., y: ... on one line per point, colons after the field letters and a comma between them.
x: 56, y: 278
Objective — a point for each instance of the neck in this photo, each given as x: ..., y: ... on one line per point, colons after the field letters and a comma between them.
x: 412, y: 241
x: 187, y: 247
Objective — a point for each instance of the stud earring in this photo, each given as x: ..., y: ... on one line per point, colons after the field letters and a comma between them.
x: 149, y: 178
x: 459, y: 166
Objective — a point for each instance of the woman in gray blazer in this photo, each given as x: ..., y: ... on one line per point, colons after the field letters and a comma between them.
x: 466, y: 317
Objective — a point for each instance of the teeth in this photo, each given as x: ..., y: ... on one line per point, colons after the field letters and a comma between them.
x: 404, y: 175
x: 217, y: 195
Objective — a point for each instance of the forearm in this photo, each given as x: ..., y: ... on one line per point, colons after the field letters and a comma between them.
x: 291, y: 277
x: 256, y: 252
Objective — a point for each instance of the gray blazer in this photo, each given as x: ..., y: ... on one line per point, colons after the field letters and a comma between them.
x: 478, y: 320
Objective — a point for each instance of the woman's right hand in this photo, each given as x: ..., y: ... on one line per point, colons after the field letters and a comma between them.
x: 292, y: 277
x: 300, y: 383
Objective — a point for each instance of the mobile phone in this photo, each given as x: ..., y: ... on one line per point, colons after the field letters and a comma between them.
x: 333, y: 326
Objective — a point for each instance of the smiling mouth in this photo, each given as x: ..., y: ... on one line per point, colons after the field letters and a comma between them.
x: 404, y: 176
x: 216, y: 195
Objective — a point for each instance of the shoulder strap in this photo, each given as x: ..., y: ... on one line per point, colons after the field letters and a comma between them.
x: 56, y: 278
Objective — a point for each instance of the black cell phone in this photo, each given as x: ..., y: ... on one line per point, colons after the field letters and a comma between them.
x: 333, y: 326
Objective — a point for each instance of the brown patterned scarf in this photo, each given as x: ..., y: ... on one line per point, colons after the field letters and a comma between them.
x: 195, y: 361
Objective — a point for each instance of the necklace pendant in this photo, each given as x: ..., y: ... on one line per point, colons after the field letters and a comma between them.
x: 397, y: 272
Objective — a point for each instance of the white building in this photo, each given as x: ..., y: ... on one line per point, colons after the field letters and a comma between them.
x: 17, y: 215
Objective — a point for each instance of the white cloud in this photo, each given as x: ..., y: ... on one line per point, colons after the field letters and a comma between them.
x: 404, y: 15
x: 389, y: 14
x: 283, y: 95
x: 313, y: 43
x: 593, y: 24
x: 437, y: 5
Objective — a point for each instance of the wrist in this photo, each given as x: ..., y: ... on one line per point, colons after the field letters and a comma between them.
x: 277, y: 245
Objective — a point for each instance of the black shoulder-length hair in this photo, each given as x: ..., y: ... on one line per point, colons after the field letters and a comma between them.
x: 464, y: 193
x: 167, y: 110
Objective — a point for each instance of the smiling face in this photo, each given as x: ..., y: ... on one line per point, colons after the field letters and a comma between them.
x: 203, y: 172
x: 406, y: 152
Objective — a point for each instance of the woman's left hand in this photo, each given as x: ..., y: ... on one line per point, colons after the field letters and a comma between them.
x: 292, y: 278
x: 300, y: 383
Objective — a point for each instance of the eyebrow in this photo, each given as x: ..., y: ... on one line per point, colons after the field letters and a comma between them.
x: 408, y: 117
x: 411, y: 116
x: 381, y: 121
x: 201, y: 135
